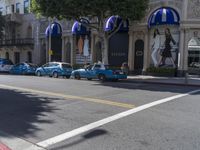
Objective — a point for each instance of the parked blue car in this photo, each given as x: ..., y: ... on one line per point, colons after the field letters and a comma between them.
x: 98, y: 71
x: 5, y: 65
x: 23, y: 69
x: 55, y: 69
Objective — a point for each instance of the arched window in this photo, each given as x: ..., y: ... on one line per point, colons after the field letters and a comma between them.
x: 7, y: 55
x: 194, y: 56
x: 29, y: 55
x: 29, y: 32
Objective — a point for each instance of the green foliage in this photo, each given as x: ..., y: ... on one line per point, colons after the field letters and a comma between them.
x: 161, y: 70
x: 2, y: 25
x: 131, y: 9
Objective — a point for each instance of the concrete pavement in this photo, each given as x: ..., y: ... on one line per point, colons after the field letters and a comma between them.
x: 179, y: 81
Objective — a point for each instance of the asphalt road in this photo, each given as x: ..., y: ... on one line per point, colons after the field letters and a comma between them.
x: 65, y: 114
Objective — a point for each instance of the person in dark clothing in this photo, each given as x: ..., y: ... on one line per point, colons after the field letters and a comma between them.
x: 167, y: 50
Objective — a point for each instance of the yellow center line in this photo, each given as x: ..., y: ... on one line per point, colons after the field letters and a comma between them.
x: 94, y: 100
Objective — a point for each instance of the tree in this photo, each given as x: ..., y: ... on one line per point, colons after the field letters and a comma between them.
x: 2, y: 25
x: 98, y: 10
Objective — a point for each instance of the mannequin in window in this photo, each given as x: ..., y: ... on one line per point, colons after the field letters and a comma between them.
x: 167, y: 50
x: 80, y: 45
x: 155, y: 46
x: 86, y: 47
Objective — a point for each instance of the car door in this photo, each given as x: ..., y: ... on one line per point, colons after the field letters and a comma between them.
x: 5, y: 65
x: 45, y: 69
x: 87, y: 72
x: 15, y: 69
x: 52, y: 67
x: 94, y: 71
x: 22, y: 68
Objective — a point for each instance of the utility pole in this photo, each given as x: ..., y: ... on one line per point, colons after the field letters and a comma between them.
x: 49, y: 50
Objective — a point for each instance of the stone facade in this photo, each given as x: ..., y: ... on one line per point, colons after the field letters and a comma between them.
x: 140, y: 37
x: 17, y: 43
x: 188, y: 11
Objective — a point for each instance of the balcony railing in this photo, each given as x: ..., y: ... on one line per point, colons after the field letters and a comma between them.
x: 14, y: 17
x: 17, y: 42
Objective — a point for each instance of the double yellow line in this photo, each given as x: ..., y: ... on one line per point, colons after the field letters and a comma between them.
x: 94, y: 100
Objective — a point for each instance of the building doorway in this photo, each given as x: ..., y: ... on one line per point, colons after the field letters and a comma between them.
x: 139, y: 56
x: 16, y: 57
x: 118, y: 49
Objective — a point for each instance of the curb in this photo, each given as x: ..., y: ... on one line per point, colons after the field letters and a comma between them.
x: 163, y: 83
x: 4, y: 147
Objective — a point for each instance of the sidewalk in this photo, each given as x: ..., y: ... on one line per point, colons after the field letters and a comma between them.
x: 9, y: 142
x: 180, y: 81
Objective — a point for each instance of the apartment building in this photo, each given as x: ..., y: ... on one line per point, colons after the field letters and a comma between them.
x: 17, y: 43
x: 181, y: 18
x: 28, y: 39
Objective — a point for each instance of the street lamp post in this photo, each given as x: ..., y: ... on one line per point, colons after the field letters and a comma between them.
x: 49, y: 50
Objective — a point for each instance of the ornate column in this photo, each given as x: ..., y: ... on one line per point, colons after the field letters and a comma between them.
x: 146, y: 52
x: 63, y: 50
x: 130, y: 52
x: 185, y: 61
x: 181, y: 50
x: 47, y: 49
x: 92, y: 46
x: 73, y: 50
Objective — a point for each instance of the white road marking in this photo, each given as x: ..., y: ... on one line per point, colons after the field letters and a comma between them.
x: 91, y: 126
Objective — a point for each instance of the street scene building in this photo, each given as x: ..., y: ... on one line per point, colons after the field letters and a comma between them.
x: 17, y: 43
x: 176, y: 22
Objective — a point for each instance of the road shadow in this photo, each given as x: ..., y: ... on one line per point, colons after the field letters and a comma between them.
x: 89, y: 135
x: 21, y: 111
x: 145, y: 86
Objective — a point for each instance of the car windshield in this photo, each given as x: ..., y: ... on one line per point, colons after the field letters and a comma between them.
x: 107, y: 67
x: 32, y: 65
x: 66, y: 66
x: 89, y: 67
x: 6, y: 62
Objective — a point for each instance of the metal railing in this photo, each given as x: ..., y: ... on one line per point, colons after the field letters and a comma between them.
x: 17, y: 42
x: 14, y: 17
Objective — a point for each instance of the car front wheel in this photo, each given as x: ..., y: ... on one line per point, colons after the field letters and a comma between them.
x: 102, y: 77
x: 77, y: 76
x: 38, y: 73
x: 55, y: 75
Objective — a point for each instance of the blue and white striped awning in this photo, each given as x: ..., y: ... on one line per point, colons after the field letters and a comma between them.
x: 56, y: 30
x: 111, y: 22
x: 79, y: 29
x: 164, y: 16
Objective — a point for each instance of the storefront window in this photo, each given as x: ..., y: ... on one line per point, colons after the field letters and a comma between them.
x: 83, y: 53
x: 164, y: 39
x: 194, y: 56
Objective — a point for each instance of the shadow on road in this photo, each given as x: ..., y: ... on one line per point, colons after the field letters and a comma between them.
x: 147, y: 86
x: 20, y: 111
x: 92, y: 134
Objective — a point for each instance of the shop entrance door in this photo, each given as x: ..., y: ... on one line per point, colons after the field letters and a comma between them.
x: 139, y: 56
